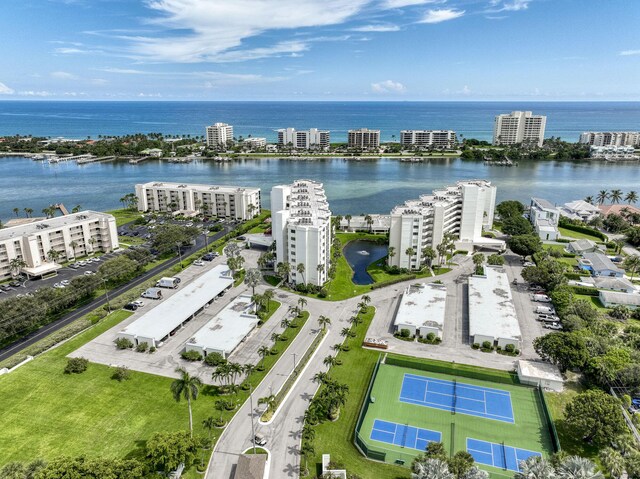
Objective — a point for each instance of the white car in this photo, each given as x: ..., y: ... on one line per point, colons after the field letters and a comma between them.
x: 198, y: 262
x: 88, y: 273
x: 65, y: 282
x: 95, y: 260
x: 555, y: 326
x: 82, y: 263
x: 138, y: 303
x: 59, y: 286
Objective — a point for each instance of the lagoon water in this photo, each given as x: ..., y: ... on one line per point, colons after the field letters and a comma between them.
x: 352, y: 187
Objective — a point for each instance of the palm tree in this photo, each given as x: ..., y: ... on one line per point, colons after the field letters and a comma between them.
x: 320, y: 377
x: 73, y: 245
x: 442, y: 252
x: 616, y: 196
x: 283, y: 270
x: 53, y: 255
x: 475, y: 473
x: 574, y: 467
x: 366, y: 299
x: 602, y: 196
x: 302, y: 302
x: 429, y: 254
x: 76, y: 209
x: 186, y: 386
x: 589, y: 199
x: 270, y: 401
x: 338, y: 221
x: 391, y: 252
x: 369, y: 220
x: 28, y: 212
x: 16, y: 211
x: 348, y: 218
x: 268, y: 296
x: 612, y: 461
x: 632, y: 264
x: 410, y: 252
x: 285, y: 323
x: 275, y: 337
x: 209, y: 423
x: 300, y: 269
x: 431, y: 469
x: 347, y: 332
x: 337, y: 347
x: 252, y: 278
x: 535, y: 467
x: 16, y: 265
x: 323, y: 322
x: 330, y: 361
x: 263, y: 351
x: 632, y: 197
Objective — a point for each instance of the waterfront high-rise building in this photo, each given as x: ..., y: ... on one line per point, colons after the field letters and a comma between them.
x: 519, y: 127
x: 43, y: 245
x: 428, y: 138
x: 240, y: 203
x: 304, y: 139
x: 610, y: 138
x: 462, y: 211
x: 301, y: 225
x: 219, y: 134
x: 364, y: 138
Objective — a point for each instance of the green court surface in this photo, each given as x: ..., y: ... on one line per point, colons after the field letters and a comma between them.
x: 529, y: 430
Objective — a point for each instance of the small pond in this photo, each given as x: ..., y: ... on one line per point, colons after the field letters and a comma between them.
x: 359, y: 255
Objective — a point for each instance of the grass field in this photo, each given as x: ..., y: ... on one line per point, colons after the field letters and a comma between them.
x: 593, y: 300
x: 529, y: 431
x: 124, y: 216
x: 577, y: 235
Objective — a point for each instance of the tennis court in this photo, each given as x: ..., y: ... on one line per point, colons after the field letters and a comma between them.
x: 498, y: 455
x: 403, y: 435
x: 457, y: 397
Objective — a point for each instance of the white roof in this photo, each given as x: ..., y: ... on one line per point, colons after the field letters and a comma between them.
x: 196, y: 187
x: 581, y: 206
x: 616, y: 297
x: 55, y: 223
x: 540, y: 370
x: 491, y: 309
x: 422, y: 305
x: 228, y: 328
x: 171, y: 312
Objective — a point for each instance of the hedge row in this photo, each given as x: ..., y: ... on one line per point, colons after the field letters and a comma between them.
x: 400, y: 279
x: 583, y: 229
x: 585, y: 290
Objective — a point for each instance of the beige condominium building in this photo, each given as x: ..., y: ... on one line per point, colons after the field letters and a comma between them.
x: 240, y: 203
x: 364, y: 138
x: 428, y: 138
x: 519, y: 127
x: 70, y: 236
x: 462, y: 210
x: 610, y: 138
x: 301, y: 224
x: 219, y: 134
x: 304, y: 139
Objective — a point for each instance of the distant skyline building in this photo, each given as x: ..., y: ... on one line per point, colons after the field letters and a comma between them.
x: 240, y: 203
x: 610, y: 138
x: 304, y: 139
x: 519, y: 127
x: 301, y: 226
x: 462, y: 210
x: 364, y: 138
x: 219, y: 134
x: 428, y: 138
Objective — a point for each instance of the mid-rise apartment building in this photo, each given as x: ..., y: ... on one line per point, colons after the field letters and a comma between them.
x: 254, y: 142
x: 70, y: 236
x: 219, y: 134
x: 544, y: 217
x: 304, y: 139
x: 610, y: 138
x: 237, y: 202
x: 428, y: 138
x: 519, y: 127
x: 301, y: 225
x: 462, y: 210
x: 364, y: 139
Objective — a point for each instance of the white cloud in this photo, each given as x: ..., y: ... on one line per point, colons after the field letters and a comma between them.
x: 41, y: 93
x: 626, y: 53
x: 5, y: 90
x: 126, y: 71
x: 408, y: 3
x: 509, y: 6
x: 63, y: 75
x: 441, y: 15
x: 465, y: 91
x: 216, y: 30
x: 376, y: 28
x: 388, y: 86
x: 98, y: 81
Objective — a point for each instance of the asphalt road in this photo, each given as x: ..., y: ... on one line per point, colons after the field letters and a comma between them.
x: 35, y: 336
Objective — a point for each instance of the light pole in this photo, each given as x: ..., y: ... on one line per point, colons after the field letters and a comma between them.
x: 294, y: 363
x: 253, y: 428
x: 180, y: 255
x: 106, y: 292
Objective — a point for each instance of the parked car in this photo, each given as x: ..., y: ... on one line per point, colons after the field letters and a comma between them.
x: 74, y: 266
x: 5, y: 287
x: 89, y: 273
x: 545, y: 310
x: 130, y: 307
x: 554, y: 326
x: 59, y: 286
x: 548, y: 318
x: 65, y: 282
x: 260, y: 439
x: 139, y: 303
x: 15, y: 284
x: 635, y: 401
x: 541, y: 298
x: 198, y: 262
x: 528, y: 263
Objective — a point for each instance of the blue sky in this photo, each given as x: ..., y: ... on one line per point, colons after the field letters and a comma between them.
x: 320, y: 49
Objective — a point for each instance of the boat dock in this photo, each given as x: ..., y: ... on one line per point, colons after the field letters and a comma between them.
x: 135, y: 161
x: 95, y: 159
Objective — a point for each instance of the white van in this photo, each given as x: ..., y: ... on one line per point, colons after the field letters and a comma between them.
x: 545, y: 310
x: 541, y: 298
x: 152, y: 293
x: 168, y: 283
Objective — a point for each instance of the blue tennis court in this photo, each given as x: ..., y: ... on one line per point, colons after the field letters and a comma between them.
x: 403, y: 435
x: 498, y: 455
x: 457, y: 397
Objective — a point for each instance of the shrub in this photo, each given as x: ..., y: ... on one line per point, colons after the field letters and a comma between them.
x: 123, y: 343
x: 510, y: 348
x: 431, y: 336
x: 487, y: 345
x: 76, y: 366
x: 152, y: 349
x: 191, y: 355
x: 142, y: 347
x: 475, y: 346
x: 323, y: 293
x: 405, y: 333
x: 214, y: 359
x: 274, y: 351
x: 121, y: 373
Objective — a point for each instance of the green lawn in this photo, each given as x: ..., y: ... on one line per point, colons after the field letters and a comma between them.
x: 273, y: 307
x: 124, y: 216
x: 594, y: 300
x: 336, y: 438
x: 577, y: 235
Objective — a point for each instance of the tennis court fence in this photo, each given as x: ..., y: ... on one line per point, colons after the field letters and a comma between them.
x: 360, y: 444
x: 551, y: 426
x: 453, y: 369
